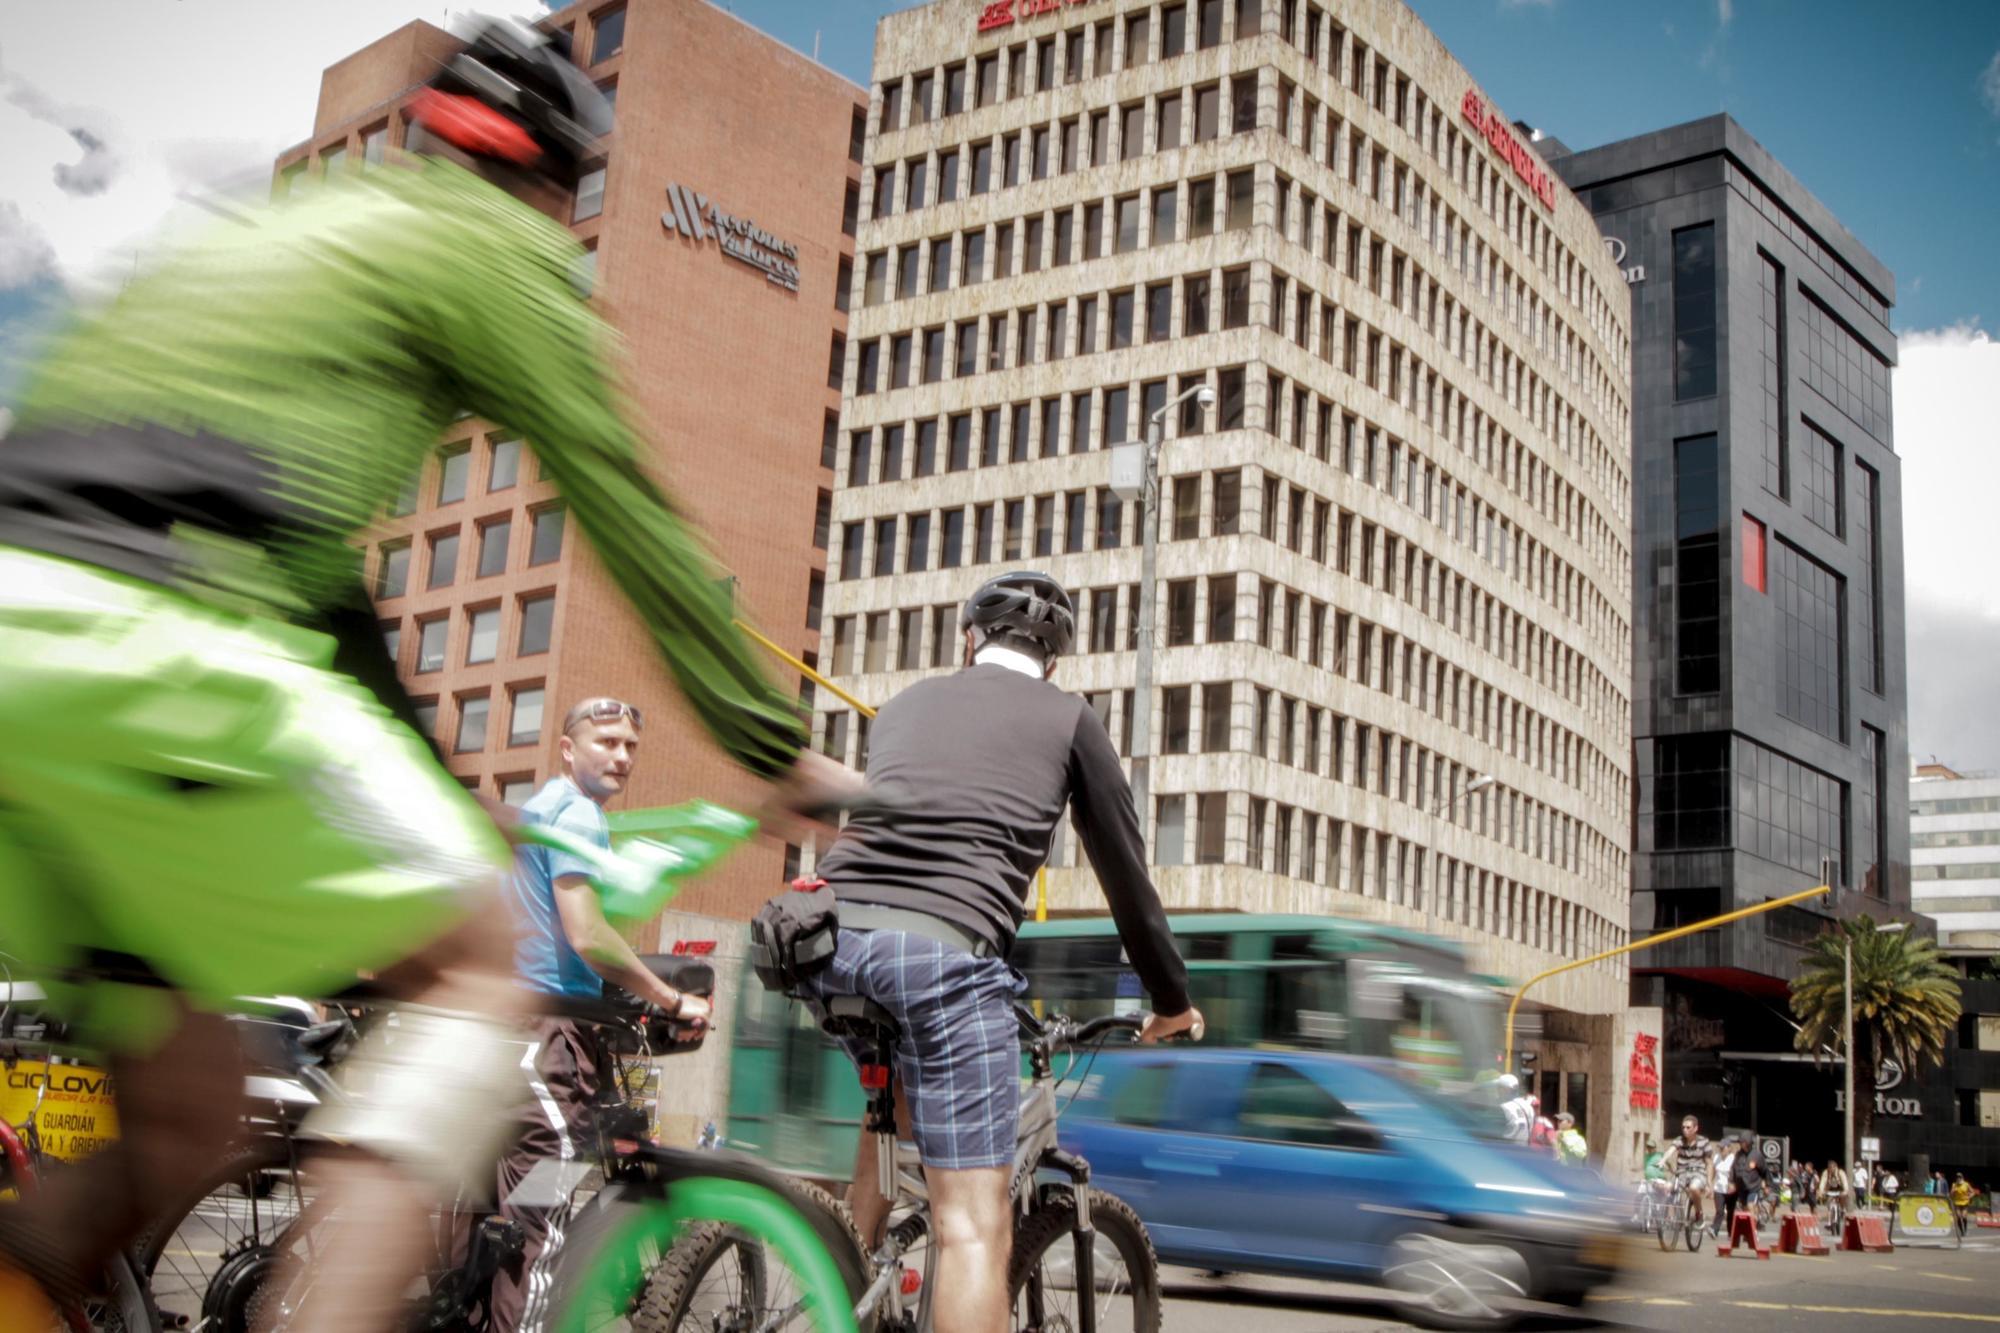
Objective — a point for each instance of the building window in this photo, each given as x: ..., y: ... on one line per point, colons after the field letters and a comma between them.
x: 493, y: 547
x: 1222, y: 608
x: 516, y: 791
x: 917, y: 554
x: 1211, y: 821
x: 1242, y: 196
x: 483, y: 636
x: 1868, y: 605
x: 1820, y: 498
x: 1215, y: 717
x: 1697, y: 568
x: 392, y: 572
x: 472, y: 710
x: 444, y: 559
x: 1789, y: 814
x: 1754, y: 556
x: 1207, y: 112
x: 1844, y: 369
x: 1690, y: 792
x: 1694, y: 312
x: 1871, y: 808
x: 1228, y: 502
x: 1208, y: 23
x: 1230, y: 393
x: 431, y: 636
x: 922, y: 88
x: 538, y: 616
x: 1771, y: 348
x: 589, y: 195
x: 545, y: 541
x: 1235, y: 298
x: 504, y: 468
x: 1170, y: 831
x: 607, y: 33
x: 892, y: 106
x: 454, y: 468
x: 1173, y: 31
x: 1811, y: 669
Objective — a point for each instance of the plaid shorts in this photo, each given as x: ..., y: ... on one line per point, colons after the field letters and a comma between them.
x: 958, y: 1057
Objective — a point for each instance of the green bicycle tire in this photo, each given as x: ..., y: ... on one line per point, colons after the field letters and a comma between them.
x: 610, y: 1271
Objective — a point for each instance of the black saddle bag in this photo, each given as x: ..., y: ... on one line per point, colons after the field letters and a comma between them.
x: 793, y: 936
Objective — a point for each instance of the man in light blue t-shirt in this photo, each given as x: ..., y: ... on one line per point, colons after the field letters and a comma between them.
x: 564, y: 947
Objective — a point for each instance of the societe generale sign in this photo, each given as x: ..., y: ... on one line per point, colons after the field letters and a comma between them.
x: 1527, y: 164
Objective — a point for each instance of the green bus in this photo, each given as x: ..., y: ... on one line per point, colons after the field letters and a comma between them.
x: 1296, y: 981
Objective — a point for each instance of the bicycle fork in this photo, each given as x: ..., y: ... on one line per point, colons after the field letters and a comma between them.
x: 1083, y: 1235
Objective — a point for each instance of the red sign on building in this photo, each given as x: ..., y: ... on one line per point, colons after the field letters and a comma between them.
x: 1526, y: 162
x: 1002, y: 13
x: 1644, y: 1073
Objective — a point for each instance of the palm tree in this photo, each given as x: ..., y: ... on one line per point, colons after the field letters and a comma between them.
x: 1905, y: 1002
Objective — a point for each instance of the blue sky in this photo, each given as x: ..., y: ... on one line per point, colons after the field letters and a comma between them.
x: 1890, y: 113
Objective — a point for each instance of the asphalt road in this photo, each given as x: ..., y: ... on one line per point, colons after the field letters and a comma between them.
x: 1912, y: 1289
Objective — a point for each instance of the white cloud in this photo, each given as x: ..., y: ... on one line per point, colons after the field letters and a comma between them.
x: 1725, y: 10
x: 1947, y: 396
x: 1989, y: 84
x: 187, y: 94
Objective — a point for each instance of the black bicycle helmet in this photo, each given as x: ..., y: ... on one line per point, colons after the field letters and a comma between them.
x: 513, y: 94
x: 1024, y: 603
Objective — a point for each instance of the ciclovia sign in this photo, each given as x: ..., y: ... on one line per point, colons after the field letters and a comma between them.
x: 1888, y: 1077
x: 1634, y: 275
x: 700, y: 218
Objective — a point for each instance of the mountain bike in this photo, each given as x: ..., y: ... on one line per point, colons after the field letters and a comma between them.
x: 1679, y: 1225
x: 1107, y: 1276
x: 643, y: 1201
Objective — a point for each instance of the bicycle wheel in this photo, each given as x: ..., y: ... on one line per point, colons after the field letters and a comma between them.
x: 211, y: 1239
x: 717, y: 1276
x: 120, y: 1303
x: 637, y: 1234
x: 1696, y: 1233
x: 1673, y: 1218
x: 1041, y: 1278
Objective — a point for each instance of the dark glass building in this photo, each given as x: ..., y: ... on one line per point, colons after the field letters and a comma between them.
x: 1768, y: 701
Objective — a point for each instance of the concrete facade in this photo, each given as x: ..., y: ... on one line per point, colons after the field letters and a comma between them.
x: 1955, y: 857
x: 1769, y: 696
x: 1396, y: 557
x: 727, y: 378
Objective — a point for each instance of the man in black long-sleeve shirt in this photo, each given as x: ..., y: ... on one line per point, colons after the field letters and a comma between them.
x: 931, y: 898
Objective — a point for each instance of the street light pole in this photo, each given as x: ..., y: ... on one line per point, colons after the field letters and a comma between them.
x: 1149, y: 555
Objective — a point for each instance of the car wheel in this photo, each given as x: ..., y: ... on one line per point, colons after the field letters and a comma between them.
x: 1456, y: 1280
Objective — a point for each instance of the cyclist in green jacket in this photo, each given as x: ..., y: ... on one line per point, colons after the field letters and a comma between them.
x: 210, y: 782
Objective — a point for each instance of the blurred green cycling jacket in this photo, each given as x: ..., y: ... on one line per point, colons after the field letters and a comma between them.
x: 333, y: 338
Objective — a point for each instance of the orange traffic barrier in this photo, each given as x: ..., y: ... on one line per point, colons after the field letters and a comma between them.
x: 1742, y: 1231
x: 1866, y: 1231
x: 1799, y: 1233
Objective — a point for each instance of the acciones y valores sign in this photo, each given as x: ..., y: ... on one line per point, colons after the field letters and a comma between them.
x: 699, y: 218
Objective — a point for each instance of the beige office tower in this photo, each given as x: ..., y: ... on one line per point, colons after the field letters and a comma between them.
x: 1393, y: 620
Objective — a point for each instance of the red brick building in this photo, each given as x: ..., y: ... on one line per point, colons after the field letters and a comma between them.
x: 720, y: 224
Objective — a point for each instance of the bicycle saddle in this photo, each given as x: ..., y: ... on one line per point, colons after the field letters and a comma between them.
x: 858, y: 1017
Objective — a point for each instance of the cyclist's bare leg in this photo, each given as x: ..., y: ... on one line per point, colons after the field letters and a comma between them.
x: 972, y: 1222
x: 864, y: 1201
x: 379, y: 1213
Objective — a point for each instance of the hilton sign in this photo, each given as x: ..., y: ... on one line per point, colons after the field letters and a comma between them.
x: 1527, y: 164
x: 698, y: 218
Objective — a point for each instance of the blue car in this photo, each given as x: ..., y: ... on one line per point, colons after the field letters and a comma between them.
x: 1332, y: 1166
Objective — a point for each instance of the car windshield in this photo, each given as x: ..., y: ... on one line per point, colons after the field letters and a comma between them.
x: 1395, y: 1097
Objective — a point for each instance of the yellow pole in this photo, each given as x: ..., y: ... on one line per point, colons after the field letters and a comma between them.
x: 1507, y: 1061
x: 809, y: 673
x: 1042, y: 894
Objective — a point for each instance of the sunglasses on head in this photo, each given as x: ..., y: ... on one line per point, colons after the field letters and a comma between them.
x: 607, y: 710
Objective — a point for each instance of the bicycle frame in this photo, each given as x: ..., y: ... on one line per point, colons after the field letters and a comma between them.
x: 900, y: 1180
